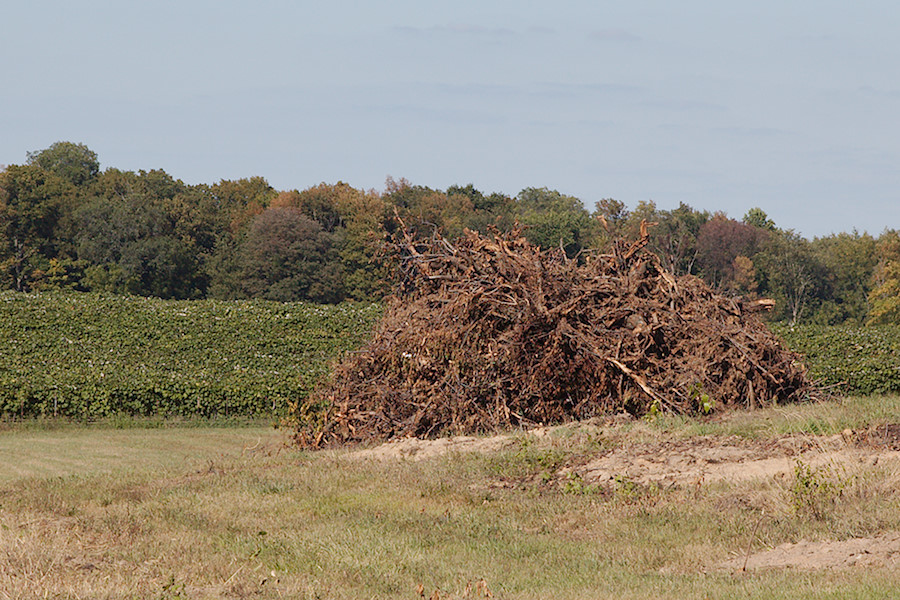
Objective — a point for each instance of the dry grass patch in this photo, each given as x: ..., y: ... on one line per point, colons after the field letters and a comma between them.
x: 226, y: 522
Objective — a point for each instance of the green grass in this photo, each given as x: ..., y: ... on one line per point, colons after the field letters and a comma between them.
x: 232, y: 513
x: 62, y: 453
x: 825, y: 417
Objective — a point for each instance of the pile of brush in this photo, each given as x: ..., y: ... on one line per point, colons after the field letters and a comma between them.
x: 491, y: 332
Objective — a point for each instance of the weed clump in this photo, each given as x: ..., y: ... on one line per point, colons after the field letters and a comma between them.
x: 490, y: 332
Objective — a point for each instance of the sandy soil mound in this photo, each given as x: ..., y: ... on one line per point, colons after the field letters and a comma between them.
x: 690, y: 461
x: 705, y: 460
x: 416, y: 449
x: 711, y: 459
x: 879, y: 551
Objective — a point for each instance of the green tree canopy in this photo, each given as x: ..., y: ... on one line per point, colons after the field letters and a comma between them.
x: 131, y: 246
x: 288, y: 256
x: 424, y: 209
x: 31, y: 201
x: 356, y: 220
x: 612, y: 215
x: 790, y: 270
x: 76, y: 163
x: 757, y: 217
x: 673, y: 236
x: 554, y: 219
x: 885, y: 296
x: 849, y: 261
x: 491, y: 210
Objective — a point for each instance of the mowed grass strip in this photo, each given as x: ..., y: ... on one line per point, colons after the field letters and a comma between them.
x: 233, y: 513
x: 60, y: 453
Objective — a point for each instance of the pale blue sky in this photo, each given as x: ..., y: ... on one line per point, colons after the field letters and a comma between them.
x: 790, y: 106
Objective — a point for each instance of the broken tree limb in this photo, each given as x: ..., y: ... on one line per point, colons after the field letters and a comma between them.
x: 641, y: 382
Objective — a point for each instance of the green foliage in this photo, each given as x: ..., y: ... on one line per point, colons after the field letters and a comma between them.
x: 849, y: 261
x: 162, y: 267
x: 288, y: 256
x: 789, y: 270
x: 885, y: 296
x: 492, y: 210
x: 530, y: 460
x: 91, y: 356
x: 674, y: 236
x: 355, y: 220
x: 815, y: 490
x: 61, y: 274
x: 132, y: 246
x: 64, y: 224
x: 554, y: 220
x: 850, y: 360
x: 704, y: 403
x: 574, y: 484
x: 75, y: 163
x: 425, y: 209
x: 757, y: 217
x: 31, y: 200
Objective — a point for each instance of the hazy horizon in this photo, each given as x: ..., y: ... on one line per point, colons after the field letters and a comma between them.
x: 790, y: 108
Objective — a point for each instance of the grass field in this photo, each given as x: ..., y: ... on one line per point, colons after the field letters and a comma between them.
x: 164, y: 513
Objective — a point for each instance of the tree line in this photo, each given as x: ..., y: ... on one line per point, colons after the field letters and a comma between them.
x: 65, y: 224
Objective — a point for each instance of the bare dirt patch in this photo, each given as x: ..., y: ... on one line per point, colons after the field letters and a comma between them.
x: 675, y: 461
x: 882, y: 436
x: 416, y: 449
x: 878, y: 551
x: 704, y: 460
x: 711, y: 459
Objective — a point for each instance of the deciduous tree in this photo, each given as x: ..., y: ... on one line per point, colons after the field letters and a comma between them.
x: 76, y: 163
x: 791, y: 272
x: 674, y: 235
x: 849, y: 261
x: 288, y: 256
x: 885, y: 296
x: 31, y: 201
x: 554, y: 219
x: 757, y: 217
x: 719, y: 241
x: 423, y: 208
x: 492, y: 210
x: 613, y: 217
